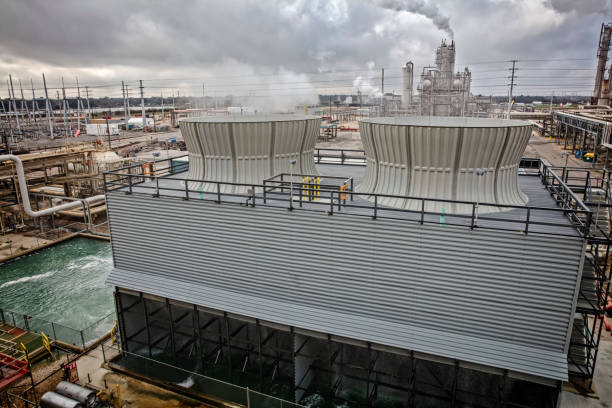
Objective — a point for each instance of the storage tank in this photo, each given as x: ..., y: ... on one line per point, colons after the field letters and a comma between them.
x: 440, y: 157
x: 248, y: 149
x: 54, y: 400
x: 83, y: 395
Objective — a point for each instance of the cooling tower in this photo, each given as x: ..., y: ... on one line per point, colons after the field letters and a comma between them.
x: 248, y: 149
x: 437, y: 157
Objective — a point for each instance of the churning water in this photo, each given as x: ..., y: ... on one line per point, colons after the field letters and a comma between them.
x: 63, y: 283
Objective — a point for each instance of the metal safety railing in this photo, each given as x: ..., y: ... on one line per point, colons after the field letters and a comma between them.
x: 82, y: 337
x: 160, y: 180
x: 353, y: 157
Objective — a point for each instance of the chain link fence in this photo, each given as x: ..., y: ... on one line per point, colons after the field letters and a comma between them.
x: 189, y: 382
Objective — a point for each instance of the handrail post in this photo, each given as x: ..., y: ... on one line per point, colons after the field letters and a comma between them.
x: 186, y: 190
x: 341, y: 156
x: 527, y: 220
x: 352, y: 183
x: 300, y: 197
x: 587, y: 227
x: 586, y: 185
x: 375, y: 207
x: 156, y: 186
x: 253, y: 191
x: 422, y: 210
x: 264, y: 191
x: 473, y: 215
x: 129, y: 180
x: 331, y: 203
x: 218, y: 193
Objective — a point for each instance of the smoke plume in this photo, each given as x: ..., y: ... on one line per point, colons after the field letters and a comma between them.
x: 419, y: 7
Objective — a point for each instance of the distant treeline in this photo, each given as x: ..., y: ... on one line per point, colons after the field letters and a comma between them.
x: 182, y: 102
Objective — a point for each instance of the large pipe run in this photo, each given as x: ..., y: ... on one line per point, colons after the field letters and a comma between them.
x: 23, y: 189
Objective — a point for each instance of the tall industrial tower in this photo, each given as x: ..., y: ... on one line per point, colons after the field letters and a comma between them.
x: 601, y: 92
x: 442, y: 91
x: 407, y: 78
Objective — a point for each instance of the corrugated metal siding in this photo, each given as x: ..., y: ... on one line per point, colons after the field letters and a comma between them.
x: 492, y: 286
x: 236, y: 150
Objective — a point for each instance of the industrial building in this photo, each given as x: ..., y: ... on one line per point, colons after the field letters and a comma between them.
x: 429, y: 277
x: 441, y: 90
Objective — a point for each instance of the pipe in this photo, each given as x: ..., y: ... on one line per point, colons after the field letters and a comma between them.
x: 25, y: 196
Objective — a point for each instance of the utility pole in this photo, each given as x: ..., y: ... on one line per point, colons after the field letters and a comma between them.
x: 512, y: 77
x: 125, y: 114
x: 203, y: 97
x: 88, y: 116
x: 109, y: 135
x: 78, y: 104
x: 8, y: 120
x: 144, y: 116
x: 382, y: 92
x: 551, y: 100
x: 64, y: 106
x: 34, y: 102
x: 24, y: 105
x: 49, y: 108
x: 12, y: 91
x: 127, y: 101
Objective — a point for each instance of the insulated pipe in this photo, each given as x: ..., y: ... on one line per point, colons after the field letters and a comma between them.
x: 25, y: 197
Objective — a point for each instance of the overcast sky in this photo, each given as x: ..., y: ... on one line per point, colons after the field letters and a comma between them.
x: 268, y: 48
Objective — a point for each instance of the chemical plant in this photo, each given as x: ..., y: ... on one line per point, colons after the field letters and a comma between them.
x: 430, y: 247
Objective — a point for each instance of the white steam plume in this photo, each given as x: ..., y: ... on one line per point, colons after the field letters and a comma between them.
x: 421, y: 7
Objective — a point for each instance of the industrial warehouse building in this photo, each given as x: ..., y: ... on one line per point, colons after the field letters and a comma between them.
x: 433, y: 276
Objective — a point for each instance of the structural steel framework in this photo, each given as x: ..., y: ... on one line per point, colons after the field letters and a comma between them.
x: 583, y: 133
x: 298, y: 365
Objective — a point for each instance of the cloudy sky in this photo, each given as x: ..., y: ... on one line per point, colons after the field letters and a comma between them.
x: 265, y: 48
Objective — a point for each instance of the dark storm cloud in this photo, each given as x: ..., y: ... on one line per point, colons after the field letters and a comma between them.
x: 582, y: 7
x: 114, y: 40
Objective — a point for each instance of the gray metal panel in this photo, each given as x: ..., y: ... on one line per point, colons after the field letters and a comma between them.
x: 490, y: 297
x: 501, y: 354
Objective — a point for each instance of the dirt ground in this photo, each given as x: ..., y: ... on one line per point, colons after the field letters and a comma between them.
x: 17, y: 244
x: 602, y: 381
x: 549, y: 150
x: 134, y: 393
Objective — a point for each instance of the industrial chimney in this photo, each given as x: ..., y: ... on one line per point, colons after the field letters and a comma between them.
x: 407, y: 77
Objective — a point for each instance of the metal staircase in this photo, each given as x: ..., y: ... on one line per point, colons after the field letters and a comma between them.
x: 593, y: 294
